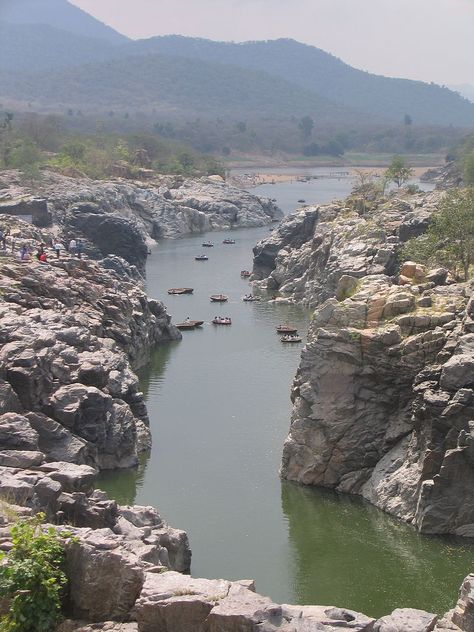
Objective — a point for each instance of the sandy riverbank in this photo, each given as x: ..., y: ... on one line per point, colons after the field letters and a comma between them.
x: 255, y: 178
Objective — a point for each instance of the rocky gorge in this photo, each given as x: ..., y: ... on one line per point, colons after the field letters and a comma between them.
x: 383, y: 399
x: 72, y: 333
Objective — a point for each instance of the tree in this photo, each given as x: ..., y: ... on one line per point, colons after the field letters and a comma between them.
x: 306, y: 125
x: 398, y: 172
x: 449, y: 239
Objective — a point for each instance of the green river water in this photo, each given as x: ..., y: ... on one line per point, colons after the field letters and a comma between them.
x: 219, y: 409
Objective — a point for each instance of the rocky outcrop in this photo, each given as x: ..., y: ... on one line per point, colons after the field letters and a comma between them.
x: 445, y: 177
x: 383, y: 401
x: 307, y: 254
x: 123, y: 218
x: 68, y: 332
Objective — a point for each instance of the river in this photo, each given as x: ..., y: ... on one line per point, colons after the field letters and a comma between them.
x: 219, y: 409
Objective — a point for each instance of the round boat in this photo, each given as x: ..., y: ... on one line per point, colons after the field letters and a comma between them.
x: 290, y: 338
x: 219, y: 298
x: 222, y: 320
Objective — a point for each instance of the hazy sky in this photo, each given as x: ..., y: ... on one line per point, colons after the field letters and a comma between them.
x: 432, y: 40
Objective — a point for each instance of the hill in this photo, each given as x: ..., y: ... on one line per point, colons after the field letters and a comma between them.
x: 33, y: 47
x: 60, y: 14
x: 323, y: 74
x: 173, y: 85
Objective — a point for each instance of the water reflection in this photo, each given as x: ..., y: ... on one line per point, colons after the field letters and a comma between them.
x: 122, y: 485
x: 347, y: 553
x: 153, y: 373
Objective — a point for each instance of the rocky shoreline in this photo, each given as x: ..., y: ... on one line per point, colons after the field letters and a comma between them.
x: 71, y: 332
x: 125, y: 218
x: 383, y: 400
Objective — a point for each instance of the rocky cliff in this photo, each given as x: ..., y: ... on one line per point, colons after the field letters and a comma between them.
x: 383, y: 399
x: 123, y: 218
x: 70, y: 405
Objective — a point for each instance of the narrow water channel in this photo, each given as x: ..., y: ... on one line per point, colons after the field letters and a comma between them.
x: 219, y: 409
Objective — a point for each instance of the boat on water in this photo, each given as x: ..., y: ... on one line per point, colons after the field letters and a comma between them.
x: 189, y: 324
x: 180, y: 290
x: 185, y: 325
x: 201, y: 258
x: 219, y: 298
x: 290, y: 338
x: 245, y: 274
x: 207, y: 244
x: 301, y: 201
x: 228, y: 241
x: 286, y: 329
x: 250, y: 298
x: 222, y: 320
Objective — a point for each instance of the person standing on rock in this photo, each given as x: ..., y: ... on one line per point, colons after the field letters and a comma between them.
x: 79, y: 248
x: 3, y: 239
x: 73, y: 246
x: 57, y: 246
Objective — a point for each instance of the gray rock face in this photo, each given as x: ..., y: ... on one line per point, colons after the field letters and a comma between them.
x: 68, y: 389
x: 383, y: 397
x: 406, y: 620
x: 171, y: 602
x: 305, y: 257
x: 122, y: 217
x: 383, y: 403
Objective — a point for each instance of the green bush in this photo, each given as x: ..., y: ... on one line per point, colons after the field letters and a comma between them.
x: 32, y: 577
x: 449, y: 240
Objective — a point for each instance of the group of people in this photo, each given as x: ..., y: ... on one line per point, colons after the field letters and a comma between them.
x: 75, y: 247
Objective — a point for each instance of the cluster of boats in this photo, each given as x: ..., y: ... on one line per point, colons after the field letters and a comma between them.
x: 209, y: 244
x: 290, y: 333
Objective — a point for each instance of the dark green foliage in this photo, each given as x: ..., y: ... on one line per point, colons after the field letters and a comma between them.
x: 32, y: 576
x: 449, y: 240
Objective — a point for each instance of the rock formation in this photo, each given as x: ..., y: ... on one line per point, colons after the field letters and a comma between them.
x: 70, y: 405
x: 123, y: 218
x: 383, y: 400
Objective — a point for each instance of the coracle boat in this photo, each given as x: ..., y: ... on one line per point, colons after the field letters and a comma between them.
x: 222, y: 320
x: 290, y: 338
x: 286, y: 329
x: 201, y: 257
x: 229, y: 241
x: 245, y: 274
x: 219, y: 298
x: 180, y: 290
x: 207, y: 244
x: 250, y: 298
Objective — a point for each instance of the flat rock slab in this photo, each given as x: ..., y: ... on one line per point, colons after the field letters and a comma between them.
x: 406, y: 620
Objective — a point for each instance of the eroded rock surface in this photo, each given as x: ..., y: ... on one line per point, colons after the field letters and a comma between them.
x: 383, y: 398
x: 122, y: 217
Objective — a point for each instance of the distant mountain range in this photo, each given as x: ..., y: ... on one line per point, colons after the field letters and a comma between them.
x: 52, y: 53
